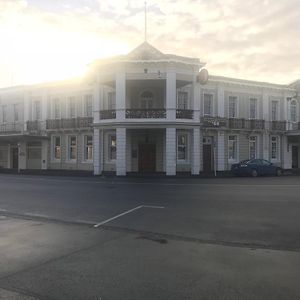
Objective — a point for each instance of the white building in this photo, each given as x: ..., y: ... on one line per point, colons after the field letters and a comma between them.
x: 147, y: 112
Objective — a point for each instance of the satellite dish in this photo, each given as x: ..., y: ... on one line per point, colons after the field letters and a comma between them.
x: 203, y: 76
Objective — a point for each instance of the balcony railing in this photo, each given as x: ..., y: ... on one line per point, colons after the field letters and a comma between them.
x: 107, y: 114
x: 184, y: 114
x: 7, y: 128
x: 278, y: 125
x: 154, y: 113
x: 35, y: 126
x: 74, y: 123
x: 214, y: 122
x: 255, y: 124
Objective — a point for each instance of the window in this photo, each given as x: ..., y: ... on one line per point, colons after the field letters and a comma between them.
x: 293, y: 111
x: 36, y: 110
x: 147, y: 100
x: 232, y: 147
x: 274, y: 110
x: 274, y: 147
x: 16, y: 112
x: 232, y: 106
x: 88, y: 147
x: 182, y: 100
x: 57, y: 147
x: 72, y: 147
x: 253, y: 108
x: 72, y: 107
x: 182, y: 147
x: 208, y: 105
x: 4, y: 113
x: 111, y: 100
x: 252, y: 147
x: 88, y: 105
x: 112, y: 150
x: 56, y: 108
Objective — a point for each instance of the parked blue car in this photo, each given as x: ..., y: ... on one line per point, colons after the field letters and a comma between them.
x: 255, y: 167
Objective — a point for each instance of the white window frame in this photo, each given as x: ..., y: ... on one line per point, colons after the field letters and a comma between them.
x: 53, y: 148
x: 109, y: 146
x: 294, y: 103
x: 186, y: 102
x: 69, y: 159
x: 233, y: 160
x: 256, y: 106
x: 85, y: 147
x: 4, y: 113
x: 211, y: 113
x: 36, y: 114
x: 88, y: 105
x: 16, y: 107
x: 111, y: 100
x: 277, y: 158
x: 236, y: 106
x: 72, y: 100
x: 277, y: 110
x: 256, y: 147
x: 186, y: 136
x: 56, y: 104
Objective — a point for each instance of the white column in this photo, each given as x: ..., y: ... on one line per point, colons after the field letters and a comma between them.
x: 45, y: 154
x: 196, y: 100
x: 265, y: 109
x: 286, y: 153
x: 266, y: 141
x: 97, y: 145
x: 221, y: 103
x: 121, y: 152
x: 221, y: 151
x: 120, y: 95
x: 195, y: 152
x: 171, y: 151
x: 96, y: 104
x: 171, y: 95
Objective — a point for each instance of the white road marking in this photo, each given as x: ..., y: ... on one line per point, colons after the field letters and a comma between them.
x: 125, y: 213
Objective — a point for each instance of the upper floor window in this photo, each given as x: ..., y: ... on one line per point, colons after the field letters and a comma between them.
x: 182, y: 147
x: 4, y: 113
x: 232, y: 107
x: 253, y: 108
x: 293, y: 111
x: 208, y: 105
x: 232, y: 147
x: 111, y: 100
x: 274, y: 110
x: 72, y: 107
x: 56, y: 108
x: 88, y: 105
x: 16, y: 112
x: 182, y: 100
x: 36, y: 110
x: 147, y: 100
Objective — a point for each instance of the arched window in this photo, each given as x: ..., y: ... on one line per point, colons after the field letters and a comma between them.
x: 147, y: 100
x: 293, y: 111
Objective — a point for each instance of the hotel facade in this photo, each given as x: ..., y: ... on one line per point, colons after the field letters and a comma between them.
x: 148, y: 112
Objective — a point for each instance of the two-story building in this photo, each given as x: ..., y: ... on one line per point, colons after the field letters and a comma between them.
x: 148, y: 112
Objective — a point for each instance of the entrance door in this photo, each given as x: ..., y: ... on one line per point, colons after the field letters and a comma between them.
x: 147, y: 155
x: 295, y: 157
x: 207, y: 154
x: 15, y: 158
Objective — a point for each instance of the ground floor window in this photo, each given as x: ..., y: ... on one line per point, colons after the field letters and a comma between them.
x: 232, y: 147
x: 182, y: 147
x: 274, y: 147
x: 57, y: 147
x: 252, y: 147
x: 112, y: 150
x: 72, y: 149
x: 88, y: 147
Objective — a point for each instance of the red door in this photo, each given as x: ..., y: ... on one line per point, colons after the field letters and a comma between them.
x: 147, y: 155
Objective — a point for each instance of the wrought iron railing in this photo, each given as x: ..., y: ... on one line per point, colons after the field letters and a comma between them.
x: 82, y: 122
x: 35, y: 126
x: 214, y: 122
x: 153, y: 113
x: 107, y: 114
x: 184, y: 114
x: 278, y: 125
x: 11, y: 128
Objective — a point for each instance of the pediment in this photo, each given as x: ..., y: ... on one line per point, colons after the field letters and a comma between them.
x: 145, y: 52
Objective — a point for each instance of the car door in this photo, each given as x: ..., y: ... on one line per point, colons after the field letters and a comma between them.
x: 268, y: 167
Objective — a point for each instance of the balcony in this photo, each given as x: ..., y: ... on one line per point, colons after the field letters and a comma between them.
x: 8, y: 128
x: 278, y: 125
x: 255, y: 124
x: 107, y: 114
x: 74, y: 123
x: 35, y: 126
x: 214, y: 122
x: 293, y: 126
x: 153, y: 113
x: 184, y: 114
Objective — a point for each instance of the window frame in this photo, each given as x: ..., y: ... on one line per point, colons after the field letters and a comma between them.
x: 211, y: 113
x: 53, y: 147
x: 56, y: 108
x: 72, y: 101
x: 256, y: 147
x: 110, y: 147
x: 4, y: 113
x: 277, y: 110
x: 185, y: 100
x: 36, y: 113
x: 277, y: 158
x: 256, y: 106
x: 70, y: 146
x: 235, y: 107
x: 88, y: 105
x: 293, y: 103
x: 86, y: 147
x: 234, y: 159
x: 185, y: 146
x: 16, y: 108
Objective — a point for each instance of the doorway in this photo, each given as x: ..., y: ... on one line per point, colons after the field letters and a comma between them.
x: 147, y: 157
x: 295, y: 157
x: 15, y: 158
x: 207, y: 155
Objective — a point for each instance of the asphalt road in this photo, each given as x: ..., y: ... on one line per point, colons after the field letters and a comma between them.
x: 184, y: 238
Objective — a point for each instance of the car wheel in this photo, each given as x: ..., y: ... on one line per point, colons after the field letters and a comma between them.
x: 254, y: 173
x: 278, y: 172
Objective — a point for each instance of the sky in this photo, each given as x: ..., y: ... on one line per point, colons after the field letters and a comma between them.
x: 45, y: 40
